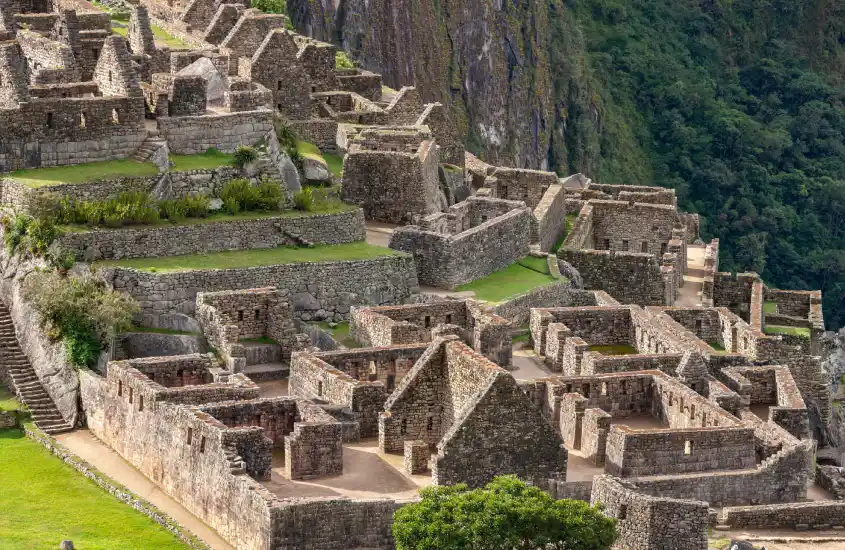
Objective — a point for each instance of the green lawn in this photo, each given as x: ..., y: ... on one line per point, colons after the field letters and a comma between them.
x: 209, y: 160
x: 335, y: 163
x: 8, y: 401
x: 162, y: 37
x: 254, y: 258
x: 522, y: 339
x: 45, y: 501
x: 803, y: 332
x: 308, y: 150
x: 770, y: 308
x: 340, y: 333
x: 81, y: 173
x: 540, y: 265
x: 716, y: 346
x: 615, y: 349
x: 510, y: 281
x: 221, y: 217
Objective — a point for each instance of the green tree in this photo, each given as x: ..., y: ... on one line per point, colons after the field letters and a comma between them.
x: 506, y: 513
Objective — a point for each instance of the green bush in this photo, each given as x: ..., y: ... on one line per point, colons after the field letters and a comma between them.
x: 506, y: 513
x: 173, y: 210
x: 304, y: 199
x: 244, y: 155
x: 196, y: 206
x: 31, y: 235
x: 285, y: 133
x: 241, y: 196
x: 79, y: 311
x: 343, y: 61
x: 270, y: 6
x: 131, y: 208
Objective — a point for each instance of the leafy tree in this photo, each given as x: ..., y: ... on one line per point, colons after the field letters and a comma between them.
x: 506, y: 514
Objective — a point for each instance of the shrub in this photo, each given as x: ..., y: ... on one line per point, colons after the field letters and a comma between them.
x: 173, y: 210
x: 285, y: 133
x: 61, y: 259
x: 231, y: 205
x: 80, y: 311
x: 244, y: 155
x: 197, y: 206
x: 343, y: 61
x: 270, y: 6
x: 506, y: 513
x: 270, y: 195
x: 31, y: 235
x: 304, y: 200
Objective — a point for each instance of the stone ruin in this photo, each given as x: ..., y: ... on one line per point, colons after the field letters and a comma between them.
x: 649, y: 382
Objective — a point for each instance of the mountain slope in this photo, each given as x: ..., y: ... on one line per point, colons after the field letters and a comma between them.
x: 737, y: 104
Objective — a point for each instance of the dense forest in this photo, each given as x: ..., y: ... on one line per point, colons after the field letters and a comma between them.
x: 738, y: 105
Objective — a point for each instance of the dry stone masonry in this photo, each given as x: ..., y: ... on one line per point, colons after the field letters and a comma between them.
x: 641, y: 377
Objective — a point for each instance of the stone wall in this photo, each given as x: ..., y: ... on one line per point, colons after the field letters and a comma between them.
x: 193, y: 135
x: 648, y: 523
x: 663, y: 452
x: 517, y: 309
x: 216, y: 236
x: 549, y: 218
x: 16, y: 194
x: 449, y: 260
x: 733, y: 291
x: 520, y: 184
x: 319, y: 290
x: 630, y: 277
x: 315, y: 447
x: 800, y: 516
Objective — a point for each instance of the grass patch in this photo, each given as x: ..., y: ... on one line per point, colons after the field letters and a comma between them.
x: 335, y: 163
x: 340, y: 333
x: 567, y: 227
x: 803, y: 332
x: 522, y: 338
x: 162, y: 37
x: 615, y: 349
x: 262, y: 340
x: 716, y: 346
x: 510, y: 281
x: 307, y: 149
x: 770, y: 308
x: 82, y: 173
x: 8, y: 401
x: 47, y: 501
x: 255, y: 257
x: 222, y: 217
x: 540, y: 265
x: 209, y: 160
x: 163, y: 331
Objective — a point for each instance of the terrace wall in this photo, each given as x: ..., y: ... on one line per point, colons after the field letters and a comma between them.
x: 202, y: 238
x: 192, y: 135
x: 319, y: 290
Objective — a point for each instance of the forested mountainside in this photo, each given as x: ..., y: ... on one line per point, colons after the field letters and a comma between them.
x: 737, y: 104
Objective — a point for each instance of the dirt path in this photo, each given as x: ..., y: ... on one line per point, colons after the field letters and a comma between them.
x: 90, y: 449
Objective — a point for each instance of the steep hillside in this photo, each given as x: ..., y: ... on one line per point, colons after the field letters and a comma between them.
x: 737, y: 104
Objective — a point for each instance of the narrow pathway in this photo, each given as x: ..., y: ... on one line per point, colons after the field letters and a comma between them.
x: 378, y: 233
x: 93, y: 451
x: 690, y: 293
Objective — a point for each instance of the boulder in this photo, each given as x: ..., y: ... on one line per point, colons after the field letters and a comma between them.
x: 216, y: 83
x: 315, y: 169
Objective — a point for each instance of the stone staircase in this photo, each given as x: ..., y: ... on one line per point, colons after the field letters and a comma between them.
x: 150, y: 145
x: 26, y: 382
x: 268, y: 169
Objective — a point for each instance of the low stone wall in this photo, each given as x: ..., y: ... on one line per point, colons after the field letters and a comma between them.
x: 795, y: 515
x: 322, y: 132
x: 201, y: 238
x: 574, y: 490
x: 15, y: 194
x: 517, y: 309
x: 319, y: 290
x: 192, y: 135
x: 630, y: 277
x: 549, y: 220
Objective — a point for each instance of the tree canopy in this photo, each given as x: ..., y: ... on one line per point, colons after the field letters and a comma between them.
x: 506, y: 513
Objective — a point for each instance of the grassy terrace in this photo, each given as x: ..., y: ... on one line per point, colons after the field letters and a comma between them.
x: 567, y: 227
x: 615, y: 349
x: 81, y: 173
x: 221, y: 217
x: 803, y: 332
x: 46, y: 501
x: 335, y: 163
x: 340, y: 333
x: 120, y: 25
x: 517, y: 278
x: 8, y: 402
x: 770, y: 308
x: 209, y: 160
x: 717, y: 346
x: 257, y: 257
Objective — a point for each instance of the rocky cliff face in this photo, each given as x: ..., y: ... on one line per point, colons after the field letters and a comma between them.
x: 516, y: 99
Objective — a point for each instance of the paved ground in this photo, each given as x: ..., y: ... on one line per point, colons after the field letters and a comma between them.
x: 367, y: 473
x: 379, y: 233
x: 90, y: 449
x: 783, y: 540
x: 690, y: 293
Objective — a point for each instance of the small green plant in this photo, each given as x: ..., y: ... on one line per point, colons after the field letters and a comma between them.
x: 31, y: 235
x: 270, y: 6
x: 285, y: 133
x: 343, y: 61
x: 243, y: 156
x: 304, y: 199
x: 61, y: 260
